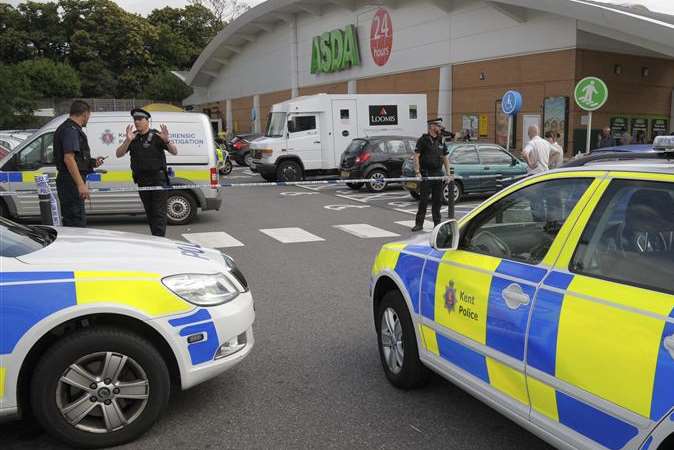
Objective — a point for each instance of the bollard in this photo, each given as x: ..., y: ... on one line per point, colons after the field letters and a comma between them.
x: 49, y: 207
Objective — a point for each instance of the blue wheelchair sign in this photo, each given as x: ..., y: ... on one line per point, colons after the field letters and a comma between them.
x: 511, y: 103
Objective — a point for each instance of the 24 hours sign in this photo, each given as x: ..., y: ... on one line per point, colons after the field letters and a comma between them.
x: 381, y: 37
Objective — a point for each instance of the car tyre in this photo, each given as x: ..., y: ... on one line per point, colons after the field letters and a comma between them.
x: 355, y: 186
x: 247, y: 159
x: 50, y: 396
x: 376, y: 185
x: 458, y: 192
x: 4, y: 211
x: 181, y: 208
x: 415, y: 195
x: 397, y: 343
x: 226, y: 168
x: 289, y: 171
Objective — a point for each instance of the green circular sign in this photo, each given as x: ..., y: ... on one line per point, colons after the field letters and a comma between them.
x: 591, y: 93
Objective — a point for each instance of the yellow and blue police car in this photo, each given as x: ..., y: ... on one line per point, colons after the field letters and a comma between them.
x: 552, y: 302
x: 96, y: 327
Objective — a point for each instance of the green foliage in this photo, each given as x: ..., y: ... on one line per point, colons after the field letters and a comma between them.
x: 46, y: 78
x: 17, y: 99
x: 166, y: 86
x: 113, y: 53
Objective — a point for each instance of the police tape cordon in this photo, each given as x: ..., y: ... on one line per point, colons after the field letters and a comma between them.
x: 179, y: 187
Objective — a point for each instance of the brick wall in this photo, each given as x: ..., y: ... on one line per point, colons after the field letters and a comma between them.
x: 630, y: 93
x: 333, y: 88
x: 535, y: 76
x: 417, y: 82
x: 241, y: 108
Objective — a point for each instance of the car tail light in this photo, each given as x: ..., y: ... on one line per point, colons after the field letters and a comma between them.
x: 214, y: 178
x: 363, y: 157
x: 237, y: 145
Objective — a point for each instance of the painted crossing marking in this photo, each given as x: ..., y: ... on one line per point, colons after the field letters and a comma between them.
x: 366, y: 231
x: 428, y: 226
x: 291, y: 235
x: 216, y: 239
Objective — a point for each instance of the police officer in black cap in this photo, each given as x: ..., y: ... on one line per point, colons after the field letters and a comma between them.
x: 73, y: 162
x: 148, y: 165
x: 429, y: 159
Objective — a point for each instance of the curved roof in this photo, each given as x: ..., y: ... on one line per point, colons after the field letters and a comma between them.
x: 634, y: 25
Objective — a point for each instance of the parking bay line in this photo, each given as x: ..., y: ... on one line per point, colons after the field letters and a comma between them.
x: 291, y: 235
x: 215, y: 239
x: 365, y: 231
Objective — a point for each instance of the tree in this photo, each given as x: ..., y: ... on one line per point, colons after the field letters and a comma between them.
x: 183, y: 34
x: 167, y: 87
x: 47, y: 78
x: 17, y: 100
x: 225, y: 10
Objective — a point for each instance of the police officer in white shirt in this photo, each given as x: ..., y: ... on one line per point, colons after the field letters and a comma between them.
x: 536, y: 152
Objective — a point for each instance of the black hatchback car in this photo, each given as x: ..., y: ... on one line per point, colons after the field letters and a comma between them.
x: 375, y: 158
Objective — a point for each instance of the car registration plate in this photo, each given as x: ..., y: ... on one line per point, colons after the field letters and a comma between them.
x: 412, y: 185
x: 345, y: 174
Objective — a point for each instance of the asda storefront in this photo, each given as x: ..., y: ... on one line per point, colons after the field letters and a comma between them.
x: 463, y: 55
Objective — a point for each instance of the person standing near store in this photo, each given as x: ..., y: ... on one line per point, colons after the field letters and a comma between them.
x: 556, y: 152
x: 537, y: 152
x: 148, y: 166
x: 605, y: 139
x: 429, y: 158
x: 73, y: 162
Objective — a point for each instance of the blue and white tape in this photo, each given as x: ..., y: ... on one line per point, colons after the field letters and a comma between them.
x: 243, y: 185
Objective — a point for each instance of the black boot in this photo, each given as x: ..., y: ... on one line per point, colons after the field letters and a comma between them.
x: 417, y: 227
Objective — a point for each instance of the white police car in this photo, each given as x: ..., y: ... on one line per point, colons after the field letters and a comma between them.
x: 96, y: 326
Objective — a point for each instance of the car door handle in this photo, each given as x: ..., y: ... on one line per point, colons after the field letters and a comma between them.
x: 487, y: 168
x: 317, y: 142
x: 514, y: 296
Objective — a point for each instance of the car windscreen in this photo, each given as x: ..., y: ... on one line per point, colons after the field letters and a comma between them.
x: 355, y: 147
x: 19, y: 240
x: 276, y: 124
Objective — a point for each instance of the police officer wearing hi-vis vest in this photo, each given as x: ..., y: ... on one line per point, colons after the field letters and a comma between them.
x: 73, y: 162
x: 148, y: 166
x: 429, y: 158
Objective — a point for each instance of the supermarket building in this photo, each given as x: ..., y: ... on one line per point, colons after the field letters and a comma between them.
x: 463, y: 54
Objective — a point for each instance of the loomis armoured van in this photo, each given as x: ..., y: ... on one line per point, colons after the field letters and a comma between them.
x: 307, y: 135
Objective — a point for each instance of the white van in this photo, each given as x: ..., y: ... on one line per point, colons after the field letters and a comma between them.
x: 194, y: 164
x: 307, y: 135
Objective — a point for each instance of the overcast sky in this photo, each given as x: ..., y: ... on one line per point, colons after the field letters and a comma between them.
x: 146, y: 6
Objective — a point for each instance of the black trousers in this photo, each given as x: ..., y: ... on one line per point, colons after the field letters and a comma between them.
x: 154, y: 202
x: 72, y: 206
x: 434, y: 188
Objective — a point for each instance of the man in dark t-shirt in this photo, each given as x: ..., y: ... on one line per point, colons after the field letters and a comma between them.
x: 430, y: 157
x: 73, y: 162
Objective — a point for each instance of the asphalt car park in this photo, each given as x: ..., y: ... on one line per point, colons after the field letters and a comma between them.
x: 314, y: 379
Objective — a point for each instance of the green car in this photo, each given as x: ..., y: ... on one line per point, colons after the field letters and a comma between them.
x: 477, y: 169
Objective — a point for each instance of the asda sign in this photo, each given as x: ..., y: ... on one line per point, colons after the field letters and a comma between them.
x: 335, y: 50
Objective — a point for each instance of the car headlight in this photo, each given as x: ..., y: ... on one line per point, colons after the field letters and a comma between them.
x: 201, y: 289
x: 234, y: 270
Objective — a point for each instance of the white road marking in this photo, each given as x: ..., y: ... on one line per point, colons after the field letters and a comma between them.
x: 297, y: 194
x: 365, y: 231
x: 291, y: 235
x: 343, y: 207
x: 428, y: 226
x: 216, y: 239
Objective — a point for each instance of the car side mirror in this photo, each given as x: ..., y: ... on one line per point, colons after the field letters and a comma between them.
x: 445, y: 236
x: 513, y: 162
x: 291, y: 126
